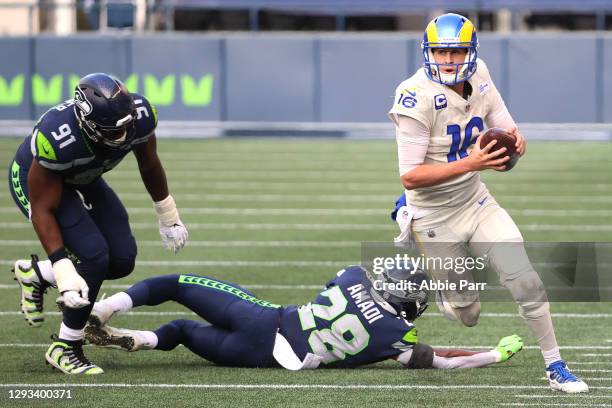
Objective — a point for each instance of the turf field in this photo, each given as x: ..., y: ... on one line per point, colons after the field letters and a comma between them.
x: 280, y: 217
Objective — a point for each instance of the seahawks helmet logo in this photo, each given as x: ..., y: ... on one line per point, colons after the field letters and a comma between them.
x: 80, y: 100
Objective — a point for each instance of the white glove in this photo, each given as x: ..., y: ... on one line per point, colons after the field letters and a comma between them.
x: 172, y: 231
x: 173, y: 237
x: 70, y: 284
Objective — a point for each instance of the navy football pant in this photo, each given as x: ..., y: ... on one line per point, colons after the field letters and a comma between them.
x: 242, y: 328
x: 95, y: 228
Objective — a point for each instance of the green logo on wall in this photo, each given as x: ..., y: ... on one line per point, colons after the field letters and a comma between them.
x: 195, y: 92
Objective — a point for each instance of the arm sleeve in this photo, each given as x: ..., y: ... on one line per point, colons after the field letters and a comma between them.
x: 412, y: 142
x: 473, y: 361
x: 499, y: 115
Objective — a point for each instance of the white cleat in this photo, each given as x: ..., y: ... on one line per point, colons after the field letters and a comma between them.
x: 561, y: 379
x: 100, y: 314
x: 121, y: 339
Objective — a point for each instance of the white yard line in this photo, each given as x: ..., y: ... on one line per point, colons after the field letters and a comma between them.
x: 347, y: 212
x: 283, y: 386
x: 249, y: 226
x: 385, y: 198
x: 334, y: 227
x: 587, y: 396
x: 318, y: 287
x: 463, y: 347
x: 314, y: 287
x: 267, y: 264
x: 590, y: 363
x: 222, y: 244
x: 254, y: 287
x: 538, y: 404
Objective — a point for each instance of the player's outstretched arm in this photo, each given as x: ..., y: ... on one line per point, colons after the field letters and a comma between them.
x: 171, y: 229
x: 427, y: 357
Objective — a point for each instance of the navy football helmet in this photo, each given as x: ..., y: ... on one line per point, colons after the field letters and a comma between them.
x: 105, y: 110
x: 401, y: 289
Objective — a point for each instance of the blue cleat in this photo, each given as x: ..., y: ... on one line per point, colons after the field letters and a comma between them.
x: 561, y: 378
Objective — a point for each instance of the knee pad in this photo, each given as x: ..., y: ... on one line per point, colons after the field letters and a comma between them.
x: 533, y: 310
x: 468, y: 315
x: 526, y: 288
x: 120, y: 267
x: 90, y: 248
x: 123, y: 258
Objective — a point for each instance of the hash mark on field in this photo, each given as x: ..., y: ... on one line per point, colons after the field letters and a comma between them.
x: 593, y: 371
x: 596, y: 355
x: 590, y: 362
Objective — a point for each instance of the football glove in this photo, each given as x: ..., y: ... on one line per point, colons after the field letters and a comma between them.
x: 171, y: 229
x: 70, y: 284
x: 509, y: 346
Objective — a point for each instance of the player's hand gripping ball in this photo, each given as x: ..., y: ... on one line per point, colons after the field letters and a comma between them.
x: 504, y: 139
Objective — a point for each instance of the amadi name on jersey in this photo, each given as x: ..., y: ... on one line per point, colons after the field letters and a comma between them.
x: 344, y: 326
x: 58, y: 144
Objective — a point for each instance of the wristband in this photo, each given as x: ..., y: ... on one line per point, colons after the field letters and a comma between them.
x: 166, y: 211
x: 58, y: 254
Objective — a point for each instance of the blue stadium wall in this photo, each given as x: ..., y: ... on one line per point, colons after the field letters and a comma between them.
x: 301, y: 77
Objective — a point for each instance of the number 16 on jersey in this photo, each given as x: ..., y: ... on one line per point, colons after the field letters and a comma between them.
x: 454, y: 131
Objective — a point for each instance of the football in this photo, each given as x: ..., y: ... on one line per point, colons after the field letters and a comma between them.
x: 504, y: 139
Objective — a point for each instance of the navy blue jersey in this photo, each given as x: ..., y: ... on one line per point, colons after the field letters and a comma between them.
x: 58, y: 144
x: 344, y: 326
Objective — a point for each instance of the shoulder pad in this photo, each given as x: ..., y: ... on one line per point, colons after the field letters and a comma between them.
x: 146, y: 118
x: 413, y: 100
x: 56, y: 143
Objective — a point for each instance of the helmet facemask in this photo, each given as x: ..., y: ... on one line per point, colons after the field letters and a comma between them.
x: 409, y: 302
x: 107, y: 121
x: 463, y: 70
x: 450, y: 31
x: 111, y: 137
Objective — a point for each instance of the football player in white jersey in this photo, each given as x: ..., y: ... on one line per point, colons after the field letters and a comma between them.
x: 438, y: 115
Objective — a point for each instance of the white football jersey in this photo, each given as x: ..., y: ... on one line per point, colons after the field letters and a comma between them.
x: 454, y: 124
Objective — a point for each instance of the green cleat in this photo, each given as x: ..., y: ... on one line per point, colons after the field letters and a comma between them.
x: 67, y: 356
x: 33, y: 287
x: 509, y: 346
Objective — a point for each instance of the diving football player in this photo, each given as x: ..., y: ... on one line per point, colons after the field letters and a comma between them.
x: 352, y: 322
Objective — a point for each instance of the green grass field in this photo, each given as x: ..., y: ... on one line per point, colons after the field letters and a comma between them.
x: 281, y: 217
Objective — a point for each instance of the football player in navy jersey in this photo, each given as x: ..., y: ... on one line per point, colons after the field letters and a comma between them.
x: 352, y: 322
x: 56, y: 181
